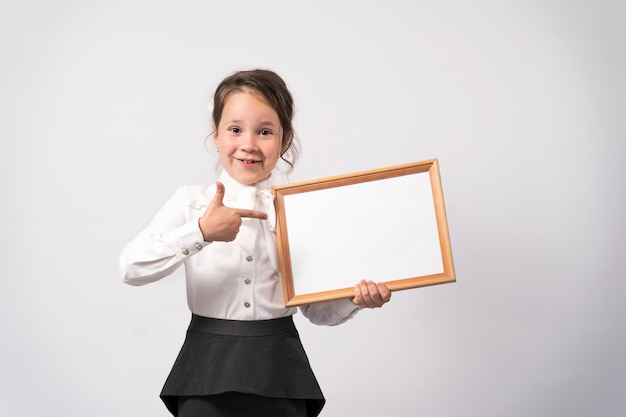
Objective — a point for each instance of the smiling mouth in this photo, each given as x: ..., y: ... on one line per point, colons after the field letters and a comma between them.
x: 248, y: 161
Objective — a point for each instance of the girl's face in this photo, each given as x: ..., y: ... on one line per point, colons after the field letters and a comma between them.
x: 248, y: 138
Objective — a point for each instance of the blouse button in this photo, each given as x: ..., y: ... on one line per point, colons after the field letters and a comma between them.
x: 249, y: 258
x: 248, y: 281
x: 246, y: 304
x: 185, y: 251
x: 199, y: 246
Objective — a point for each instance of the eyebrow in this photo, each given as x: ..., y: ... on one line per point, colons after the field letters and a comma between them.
x: 261, y: 123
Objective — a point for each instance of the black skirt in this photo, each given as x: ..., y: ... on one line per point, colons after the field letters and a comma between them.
x: 262, y: 357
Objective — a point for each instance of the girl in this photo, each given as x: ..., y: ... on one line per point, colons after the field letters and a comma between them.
x: 242, y: 355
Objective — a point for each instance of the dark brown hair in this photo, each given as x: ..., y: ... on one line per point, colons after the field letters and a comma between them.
x: 274, y: 90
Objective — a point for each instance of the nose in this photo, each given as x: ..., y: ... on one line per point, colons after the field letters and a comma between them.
x: 248, y: 142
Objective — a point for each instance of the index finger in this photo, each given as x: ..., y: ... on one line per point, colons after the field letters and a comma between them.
x: 251, y: 214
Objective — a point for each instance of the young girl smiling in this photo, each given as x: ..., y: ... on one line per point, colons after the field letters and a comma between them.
x: 242, y: 355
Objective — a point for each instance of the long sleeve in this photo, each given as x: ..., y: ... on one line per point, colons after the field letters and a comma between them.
x: 330, y: 313
x: 160, y: 249
x: 225, y: 280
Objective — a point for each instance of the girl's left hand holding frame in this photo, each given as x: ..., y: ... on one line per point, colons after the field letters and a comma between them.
x: 368, y: 294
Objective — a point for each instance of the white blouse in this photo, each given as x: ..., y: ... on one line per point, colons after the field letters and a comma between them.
x: 236, y: 280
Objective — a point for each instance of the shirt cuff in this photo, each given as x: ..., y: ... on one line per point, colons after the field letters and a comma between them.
x: 346, y: 308
x: 188, y: 239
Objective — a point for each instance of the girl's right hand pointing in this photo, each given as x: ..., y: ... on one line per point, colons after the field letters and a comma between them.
x: 220, y: 223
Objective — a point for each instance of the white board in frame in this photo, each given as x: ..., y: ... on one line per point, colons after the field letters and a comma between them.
x: 388, y: 225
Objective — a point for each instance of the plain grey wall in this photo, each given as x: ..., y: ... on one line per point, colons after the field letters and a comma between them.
x: 104, y: 113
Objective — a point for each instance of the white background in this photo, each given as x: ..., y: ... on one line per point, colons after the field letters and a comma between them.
x: 103, y: 113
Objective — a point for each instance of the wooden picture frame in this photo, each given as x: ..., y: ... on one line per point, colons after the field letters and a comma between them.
x: 388, y: 225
